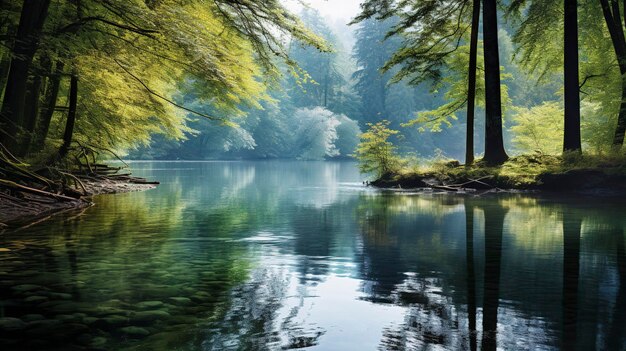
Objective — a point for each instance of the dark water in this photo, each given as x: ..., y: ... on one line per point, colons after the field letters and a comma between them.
x: 282, y: 255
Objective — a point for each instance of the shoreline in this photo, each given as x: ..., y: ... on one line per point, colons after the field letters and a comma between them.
x: 29, y: 209
x: 588, y: 182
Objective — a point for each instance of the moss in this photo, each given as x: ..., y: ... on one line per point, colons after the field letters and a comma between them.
x: 526, y: 172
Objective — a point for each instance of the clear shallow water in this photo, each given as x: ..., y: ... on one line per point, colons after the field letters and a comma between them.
x: 283, y: 255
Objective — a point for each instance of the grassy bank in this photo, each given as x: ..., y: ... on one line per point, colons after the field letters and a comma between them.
x: 572, y: 173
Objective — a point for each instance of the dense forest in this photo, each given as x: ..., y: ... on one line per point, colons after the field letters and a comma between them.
x: 241, y: 79
x: 463, y: 123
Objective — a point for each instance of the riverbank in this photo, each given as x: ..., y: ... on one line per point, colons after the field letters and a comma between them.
x: 19, y: 208
x: 582, y: 175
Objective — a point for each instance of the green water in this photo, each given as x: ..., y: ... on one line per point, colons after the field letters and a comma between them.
x: 283, y: 255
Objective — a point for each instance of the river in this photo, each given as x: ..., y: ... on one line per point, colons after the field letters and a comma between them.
x: 283, y: 255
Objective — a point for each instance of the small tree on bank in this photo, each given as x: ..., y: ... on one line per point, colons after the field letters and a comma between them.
x: 375, y: 153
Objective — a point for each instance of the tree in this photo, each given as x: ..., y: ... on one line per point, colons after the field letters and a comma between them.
x: 375, y: 153
x: 613, y: 21
x: 426, y: 53
x: 494, y: 142
x: 132, y: 58
x: 371, y: 52
x: 471, y: 83
x: 32, y: 18
x: 571, y: 135
x: 321, y: 79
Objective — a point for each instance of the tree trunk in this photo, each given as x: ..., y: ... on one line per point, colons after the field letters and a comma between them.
x: 614, y: 25
x: 71, y: 118
x: 49, y: 104
x: 571, y: 134
x: 620, y: 129
x: 471, y: 88
x: 494, y: 143
x: 31, y: 110
x: 34, y: 13
x: 5, y: 63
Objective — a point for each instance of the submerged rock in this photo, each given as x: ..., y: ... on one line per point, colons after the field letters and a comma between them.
x: 148, y: 305
x: 113, y: 321
x: 32, y: 317
x: 147, y: 317
x: 134, y: 331
x: 22, y: 288
x: 179, y: 300
x: 11, y: 324
x: 36, y: 299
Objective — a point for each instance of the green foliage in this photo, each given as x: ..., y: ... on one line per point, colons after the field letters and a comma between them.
x: 539, y: 129
x: 375, y: 153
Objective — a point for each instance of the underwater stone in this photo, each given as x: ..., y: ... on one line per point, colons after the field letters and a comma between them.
x: 36, y: 299
x: 144, y: 305
x: 32, y: 317
x: 134, y: 331
x: 145, y: 317
x: 179, y: 300
x: 11, y: 324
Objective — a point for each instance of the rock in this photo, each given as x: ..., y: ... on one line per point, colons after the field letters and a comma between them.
x: 134, y: 331
x: 36, y: 299
x: 149, y: 305
x: 65, y: 306
x: 97, y: 342
x: 104, y: 311
x: 60, y: 296
x: 44, y: 324
x: 147, y: 317
x: 27, y: 287
x: 90, y: 320
x: 115, y: 320
x: 64, y: 317
x: 179, y: 300
x: 201, y: 296
x: 11, y: 324
x: 32, y: 317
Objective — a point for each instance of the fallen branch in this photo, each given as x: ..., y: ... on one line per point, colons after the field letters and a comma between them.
x: 13, y: 185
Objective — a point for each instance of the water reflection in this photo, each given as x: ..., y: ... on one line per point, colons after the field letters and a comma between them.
x: 285, y: 255
x: 572, y: 225
x: 471, y: 274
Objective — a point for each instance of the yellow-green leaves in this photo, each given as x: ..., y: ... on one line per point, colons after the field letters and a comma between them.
x: 376, y: 154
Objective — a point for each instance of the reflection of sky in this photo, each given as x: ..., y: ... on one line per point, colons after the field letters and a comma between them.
x: 341, y: 252
x: 350, y: 266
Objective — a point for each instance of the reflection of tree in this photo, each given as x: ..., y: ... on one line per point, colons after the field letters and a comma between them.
x: 471, y: 276
x: 572, y: 225
x: 382, y: 264
x: 617, y: 329
x: 431, y: 319
x: 253, y: 318
x: 494, y: 225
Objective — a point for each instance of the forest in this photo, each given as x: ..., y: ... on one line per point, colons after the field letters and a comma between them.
x: 240, y: 79
x: 330, y: 174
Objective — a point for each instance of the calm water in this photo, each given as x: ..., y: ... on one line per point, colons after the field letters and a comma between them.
x: 284, y: 255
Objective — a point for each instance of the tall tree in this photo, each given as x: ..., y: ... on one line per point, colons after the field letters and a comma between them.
x: 471, y: 83
x: 436, y: 48
x: 613, y: 20
x: 494, y: 142
x: 321, y: 77
x: 32, y: 18
x: 571, y: 135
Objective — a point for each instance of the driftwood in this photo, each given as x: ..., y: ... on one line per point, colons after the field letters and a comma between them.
x: 13, y: 185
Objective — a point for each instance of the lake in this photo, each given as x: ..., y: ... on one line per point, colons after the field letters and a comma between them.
x: 284, y: 255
